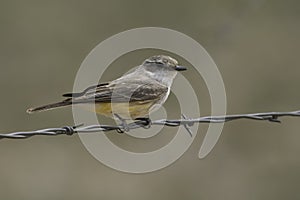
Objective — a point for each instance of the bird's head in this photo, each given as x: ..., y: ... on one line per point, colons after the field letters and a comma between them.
x: 162, y: 68
x: 163, y: 62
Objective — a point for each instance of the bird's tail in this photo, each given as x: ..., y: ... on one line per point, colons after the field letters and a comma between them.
x: 50, y: 106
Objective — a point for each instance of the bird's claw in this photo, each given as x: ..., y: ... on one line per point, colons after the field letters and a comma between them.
x: 146, y: 122
x: 123, y: 125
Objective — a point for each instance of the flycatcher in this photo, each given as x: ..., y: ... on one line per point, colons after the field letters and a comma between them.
x: 132, y: 96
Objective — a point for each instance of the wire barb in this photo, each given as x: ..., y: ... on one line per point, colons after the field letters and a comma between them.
x: 187, y: 126
x: 185, y: 121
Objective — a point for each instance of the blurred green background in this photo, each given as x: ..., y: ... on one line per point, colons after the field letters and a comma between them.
x: 255, y: 45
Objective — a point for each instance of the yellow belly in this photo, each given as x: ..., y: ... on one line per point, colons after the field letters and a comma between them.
x: 126, y: 110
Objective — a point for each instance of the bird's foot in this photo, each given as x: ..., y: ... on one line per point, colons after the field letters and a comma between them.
x: 123, y: 125
x: 146, y: 121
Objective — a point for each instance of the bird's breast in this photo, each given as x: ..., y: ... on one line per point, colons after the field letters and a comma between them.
x: 126, y: 110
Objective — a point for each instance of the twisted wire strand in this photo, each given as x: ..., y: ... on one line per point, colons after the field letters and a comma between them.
x: 185, y: 121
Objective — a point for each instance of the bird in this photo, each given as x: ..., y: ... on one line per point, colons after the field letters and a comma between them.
x: 132, y: 96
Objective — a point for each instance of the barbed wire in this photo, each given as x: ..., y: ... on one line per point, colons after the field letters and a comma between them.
x: 185, y: 121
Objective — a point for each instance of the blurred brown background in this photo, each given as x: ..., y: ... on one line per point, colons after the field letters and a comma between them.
x: 255, y: 45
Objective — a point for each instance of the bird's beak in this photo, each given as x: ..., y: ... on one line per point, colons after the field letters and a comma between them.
x: 180, y: 68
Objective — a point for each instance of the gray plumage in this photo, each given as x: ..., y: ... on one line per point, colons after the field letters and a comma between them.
x: 150, y: 82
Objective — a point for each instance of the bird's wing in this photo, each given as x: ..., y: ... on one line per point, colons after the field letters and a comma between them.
x: 93, y: 87
x: 121, y: 91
